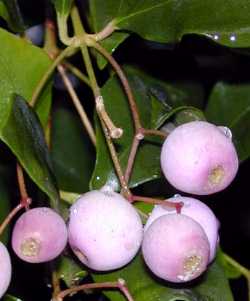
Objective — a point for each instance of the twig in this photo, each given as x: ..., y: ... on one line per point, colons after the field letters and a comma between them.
x: 21, y: 182
x: 124, y: 81
x: 152, y: 132
x: 125, y: 190
x: 47, y: 74
x: 105, y: 32
x: 84, y: 118
x: 76, y: 72
x: 109, y: 129
x: 120, y: 284
x: 165, y: 203
x: 131, y: 158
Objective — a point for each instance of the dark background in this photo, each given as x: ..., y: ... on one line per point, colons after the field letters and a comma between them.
x: 195, y: 58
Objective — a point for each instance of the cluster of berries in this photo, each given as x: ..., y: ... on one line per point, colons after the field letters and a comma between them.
x: 106, y: 232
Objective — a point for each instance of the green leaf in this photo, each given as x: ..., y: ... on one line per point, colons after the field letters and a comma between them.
x: 62, y: 6
x: 21, y: 67
x: 4, y: 12
x: 166, y: 21
x: 15, y: 19
x: 229, y: 105
x: 230, y: 271
x: 72, y: 152
x: 22, y: 132
x: 157, y: 101
x: 69, y: 197
x: 213, y: 286
x: 188, y: 115
x: 70, y: 271
x: 10, y: 298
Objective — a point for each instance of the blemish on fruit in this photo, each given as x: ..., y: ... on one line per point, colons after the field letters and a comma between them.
x: 191, y: 266
x: 216, y: 175
x: 30, y: 247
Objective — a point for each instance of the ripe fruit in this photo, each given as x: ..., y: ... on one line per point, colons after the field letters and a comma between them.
x: 39, y: 235
x: 199, y: 157
x: 176, y: 248
x: 5, y: 269
x: 105, y: 231
x: 198, y: 211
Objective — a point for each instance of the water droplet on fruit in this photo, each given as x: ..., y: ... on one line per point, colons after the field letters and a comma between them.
x: 177, y: 195
x: 75, y: 211
x: 226, y: 131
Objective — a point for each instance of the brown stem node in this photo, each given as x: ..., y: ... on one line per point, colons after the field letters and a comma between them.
x: 114, y: 131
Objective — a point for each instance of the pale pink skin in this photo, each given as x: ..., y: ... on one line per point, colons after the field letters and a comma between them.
x: 45, y: 226
x: 5, y: 269
x: 105, y: 230
x: 190, y: 154
x: 169, y: 243
x: 198, y: 211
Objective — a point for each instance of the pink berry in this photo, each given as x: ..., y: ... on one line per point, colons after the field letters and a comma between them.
x: 199, y: 157
x: 176, y: 248
x: 39, y: 235
x: 5, y: 269
x: 105, y: 230
x: 198, y: 211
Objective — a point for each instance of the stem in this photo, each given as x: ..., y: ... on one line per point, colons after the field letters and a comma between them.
x: 120, y: 284
x: 116, y: 162
x: 151, y: 132
x: 131, y: 158
x: 48, y: 73
x: 50, y: 44
x: 105, y: 32
x: 10, y: 216
x: 21, y: 183
x: 164, y: 203
x: 55, y: 285
x: 113, y: 130
x: 99, y: 101
x: 84, y: 118
x: 244, y: 271
x: 79, y: 30
x: 77, y: 73
x: 63, y: 29
x: 124, y: 81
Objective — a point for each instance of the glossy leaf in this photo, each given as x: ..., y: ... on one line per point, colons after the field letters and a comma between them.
x: 143, y: 286
x: 72, y: 152
x: 10, y: 298
x: 15, y: 19
x: 230, y: 271
x: 229, y: 105
x: 168, y: 20
x: 23, y: 133
x: 70, y: 271
x: 21, y: 67
x: 157, y: 101
x: 4, y: 12
x: 63, y: 6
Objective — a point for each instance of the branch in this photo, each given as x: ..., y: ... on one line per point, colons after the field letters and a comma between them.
x: 120, y: 284
x: 76, y: 101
